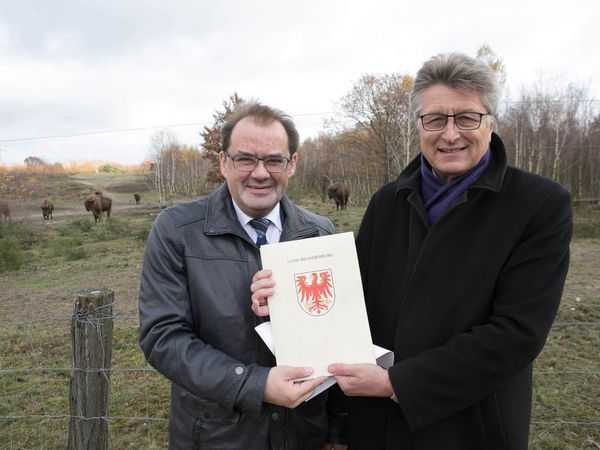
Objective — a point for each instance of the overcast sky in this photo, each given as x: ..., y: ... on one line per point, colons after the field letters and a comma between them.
x: 78, y: 71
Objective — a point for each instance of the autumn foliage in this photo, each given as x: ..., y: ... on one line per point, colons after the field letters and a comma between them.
x: 211, y: 136
x: 25, y: 181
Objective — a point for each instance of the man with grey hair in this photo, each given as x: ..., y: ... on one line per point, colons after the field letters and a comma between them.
x: 463, y: 262
x: 196, y: 327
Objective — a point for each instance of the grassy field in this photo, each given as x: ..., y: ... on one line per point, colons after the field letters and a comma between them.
x: 43, y: 265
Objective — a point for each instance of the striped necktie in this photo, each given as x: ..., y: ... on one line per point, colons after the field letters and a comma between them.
x: 260, y: 225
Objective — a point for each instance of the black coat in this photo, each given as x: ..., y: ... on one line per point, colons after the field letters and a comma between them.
x: 197, y: 329
x: 466, y: 305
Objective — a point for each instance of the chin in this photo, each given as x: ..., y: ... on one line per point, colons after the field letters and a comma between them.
x: 262, y: 204
x: 449, y: 173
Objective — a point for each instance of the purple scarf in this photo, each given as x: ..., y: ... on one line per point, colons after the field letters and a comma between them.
x: 437, y: 195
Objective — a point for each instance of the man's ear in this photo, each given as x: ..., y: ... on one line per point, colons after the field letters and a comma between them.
x: 292, y: 167
x: 223, y: 164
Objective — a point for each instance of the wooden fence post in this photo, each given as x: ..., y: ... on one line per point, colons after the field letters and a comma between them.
x: 91, y: 347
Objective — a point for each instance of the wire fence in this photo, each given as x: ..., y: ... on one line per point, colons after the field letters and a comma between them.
x: 36, y: 368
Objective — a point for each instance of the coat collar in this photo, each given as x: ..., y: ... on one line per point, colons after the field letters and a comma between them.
x: 222, y: 219
x: 492, y: 178
x: 220, y: 215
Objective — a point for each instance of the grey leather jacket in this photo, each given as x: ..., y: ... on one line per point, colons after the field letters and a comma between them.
x: 197, y: 329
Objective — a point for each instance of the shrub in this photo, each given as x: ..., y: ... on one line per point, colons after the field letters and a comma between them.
x: 142, y: 233
x: 115, y: 227
x: 79, y: 225
x: 11, y: 255
x: 108, y: 168
x: 71, y: 248
x: 75, y: 253
x: 22, y: 231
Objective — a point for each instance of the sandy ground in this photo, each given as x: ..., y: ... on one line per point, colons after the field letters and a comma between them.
x: 122, y: 195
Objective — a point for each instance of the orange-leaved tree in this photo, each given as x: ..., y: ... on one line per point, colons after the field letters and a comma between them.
x: 211, y: 137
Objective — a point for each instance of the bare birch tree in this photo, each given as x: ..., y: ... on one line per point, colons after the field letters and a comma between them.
x: 379, y: 108
x: 179, y: 171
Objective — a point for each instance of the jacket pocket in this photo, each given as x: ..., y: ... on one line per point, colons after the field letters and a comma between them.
x: 215, y: 428
x: 207, y: 411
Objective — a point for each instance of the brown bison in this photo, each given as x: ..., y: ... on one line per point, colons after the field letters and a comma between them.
x: 340, y: 193
x: 137, y: 198
x: 98, y: 204
x: 5, y: 210
x: 47, y: 208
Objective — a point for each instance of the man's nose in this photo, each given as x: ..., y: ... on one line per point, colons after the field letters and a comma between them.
x: 451, y: 131
x: 260, y: 171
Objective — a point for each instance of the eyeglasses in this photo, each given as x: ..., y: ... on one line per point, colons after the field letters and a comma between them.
x: 466, y: 121
x: 247, y: 163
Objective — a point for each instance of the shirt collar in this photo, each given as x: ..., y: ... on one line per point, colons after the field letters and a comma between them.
x: 274, y: 216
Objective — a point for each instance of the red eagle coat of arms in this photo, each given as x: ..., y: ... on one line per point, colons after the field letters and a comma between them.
x: 314, y: 291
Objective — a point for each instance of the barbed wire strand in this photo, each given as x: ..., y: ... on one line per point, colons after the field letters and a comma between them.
x: 151, y: 369
x: 67, y: 416
x: 118, y: 317
x: 161, y: 419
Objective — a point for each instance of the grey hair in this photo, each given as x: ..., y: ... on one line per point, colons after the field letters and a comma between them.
x: 457, y: 71
x: 262, y: 115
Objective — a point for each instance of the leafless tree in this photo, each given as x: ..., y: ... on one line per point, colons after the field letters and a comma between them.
x: 179, y: 171
x: 380, y: 110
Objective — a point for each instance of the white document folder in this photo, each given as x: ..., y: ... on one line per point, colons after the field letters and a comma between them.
x: 318, y: 313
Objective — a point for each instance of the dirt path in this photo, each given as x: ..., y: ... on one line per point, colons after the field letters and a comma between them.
x: 30, y: 212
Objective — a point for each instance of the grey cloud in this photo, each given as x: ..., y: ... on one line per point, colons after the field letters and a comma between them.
x: 91, y: 27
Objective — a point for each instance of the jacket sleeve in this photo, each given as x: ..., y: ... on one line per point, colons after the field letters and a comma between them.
x: 471, y: 365
x: 167, y: 337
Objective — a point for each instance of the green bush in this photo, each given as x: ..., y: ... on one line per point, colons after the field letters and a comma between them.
x: 78, y: 225
x: 75, y: 253
x: 115, y: 227
x: 142, y: 233
x: 21, y: 231
x: 107, y: 168
x: 71, y: 248
x: 11, y: 255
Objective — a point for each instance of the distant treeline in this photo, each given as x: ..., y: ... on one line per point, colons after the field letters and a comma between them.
x: 555, y: 133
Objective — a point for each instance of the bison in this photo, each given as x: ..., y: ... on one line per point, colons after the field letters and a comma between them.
x: 137, y: 198
x: 340, y: 193
x: 5, y: 210
x: 98, y: 204
x: 47, y: 208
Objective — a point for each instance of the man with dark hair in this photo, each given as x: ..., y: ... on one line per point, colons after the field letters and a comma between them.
x: 463, y: 262
x: 196, y: 326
